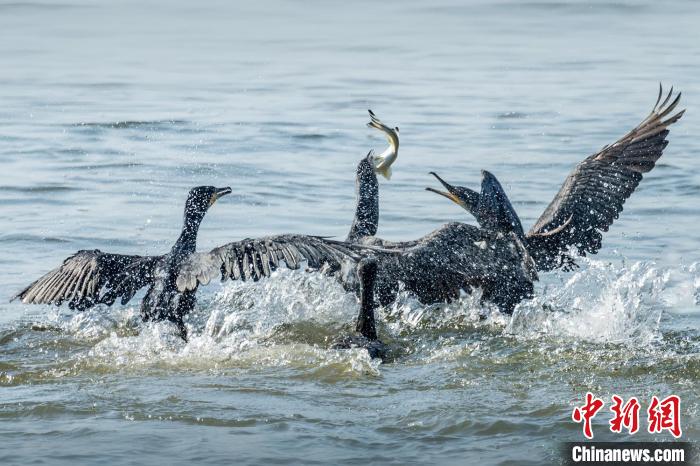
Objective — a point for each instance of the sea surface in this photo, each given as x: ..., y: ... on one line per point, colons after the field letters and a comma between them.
x: 111, y: 111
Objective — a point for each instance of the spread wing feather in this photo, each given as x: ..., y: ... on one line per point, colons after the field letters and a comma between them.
x: 593, y: 194
x: 253, y: 259
x: 91, y: 277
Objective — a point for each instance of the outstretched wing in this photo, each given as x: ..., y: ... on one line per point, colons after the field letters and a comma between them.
x: 252, y: 259
x: 91, y: 277
x: 592, y: 196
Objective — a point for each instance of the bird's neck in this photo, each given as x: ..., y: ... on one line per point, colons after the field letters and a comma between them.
x: 366, y: 218
x: 496, y: 211
x: 187, y: 242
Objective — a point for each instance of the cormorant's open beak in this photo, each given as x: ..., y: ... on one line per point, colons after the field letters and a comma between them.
x: 451, y: 193
x: 218, y: 193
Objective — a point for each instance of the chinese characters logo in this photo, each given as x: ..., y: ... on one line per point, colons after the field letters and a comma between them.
x: 661, y: 415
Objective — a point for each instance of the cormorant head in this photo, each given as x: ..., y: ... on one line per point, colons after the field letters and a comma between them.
x: 201, y: 198
x: 464, y: 197
x: 492, y: 192
x: 198, y: 202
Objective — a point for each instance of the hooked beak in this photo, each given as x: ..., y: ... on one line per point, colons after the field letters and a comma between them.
x: 450, y: 194
x: 218, y: 193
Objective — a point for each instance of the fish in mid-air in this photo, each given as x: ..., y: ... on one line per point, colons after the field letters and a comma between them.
x: 383, y: 161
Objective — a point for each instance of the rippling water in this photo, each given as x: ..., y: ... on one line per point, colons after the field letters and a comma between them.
x: 111, y: 112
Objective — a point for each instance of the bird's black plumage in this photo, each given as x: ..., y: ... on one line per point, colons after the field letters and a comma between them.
x: 438, y: 266
x: 88, y: 278
x: 457, y: 257
x: 365, y: 327
x: 366, y: 220
x: 91, y: 277
x: 590, y: 199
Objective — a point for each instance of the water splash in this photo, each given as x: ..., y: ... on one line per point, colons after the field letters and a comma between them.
x: 92, y: 324
x: 290, y: 321
x: 682, y: 290
x: 289, y: 296
x: 599, y: 302
x: 408, y: 315
x: 287, y: 321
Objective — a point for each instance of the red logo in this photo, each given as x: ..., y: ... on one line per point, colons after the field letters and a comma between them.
x: 661, y: 415
x: 587, y: 412
x: 665, y: 415
x: 626, y: 416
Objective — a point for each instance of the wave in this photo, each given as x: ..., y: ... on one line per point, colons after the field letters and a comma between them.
x: 39, y: 189
x: 126, y: 124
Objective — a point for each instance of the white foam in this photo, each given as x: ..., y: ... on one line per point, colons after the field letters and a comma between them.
x: 290, y: 319
x: 599, y: 302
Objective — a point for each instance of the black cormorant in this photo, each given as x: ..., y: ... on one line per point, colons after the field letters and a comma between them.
x: 588, y: 202
x: 92, y: 277
x: 366, y: 220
